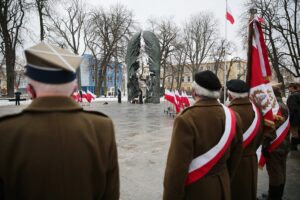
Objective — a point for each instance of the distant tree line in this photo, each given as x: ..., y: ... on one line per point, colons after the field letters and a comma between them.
x: 105, y: 32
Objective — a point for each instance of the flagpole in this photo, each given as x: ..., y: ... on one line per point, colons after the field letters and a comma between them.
x: 250, y: 37
x: 225, y: 66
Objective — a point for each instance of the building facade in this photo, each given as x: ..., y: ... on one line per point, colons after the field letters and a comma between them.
x: 235, y: 70
x: 113, y: 81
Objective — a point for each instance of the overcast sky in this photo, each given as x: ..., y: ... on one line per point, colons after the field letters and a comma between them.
x: 180, y: 10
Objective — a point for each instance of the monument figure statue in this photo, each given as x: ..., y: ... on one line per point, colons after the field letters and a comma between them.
x: 136, y: 75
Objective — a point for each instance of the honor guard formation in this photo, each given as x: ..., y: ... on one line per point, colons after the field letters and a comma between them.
x: 224, y: 131
x: 54, y: 149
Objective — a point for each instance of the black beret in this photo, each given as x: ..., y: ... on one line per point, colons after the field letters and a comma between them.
x: 237, y: 86
x: 208, y: 80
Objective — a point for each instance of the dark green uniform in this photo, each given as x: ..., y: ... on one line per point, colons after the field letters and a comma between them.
x: 55, y: 150
x: 244, y: 183
x: 196, y: 130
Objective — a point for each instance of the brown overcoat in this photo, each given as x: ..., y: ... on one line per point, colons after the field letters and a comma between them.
x: 244, y: 183
x: 56, y: 150
x: 276, y: 164
x: 196, y: 130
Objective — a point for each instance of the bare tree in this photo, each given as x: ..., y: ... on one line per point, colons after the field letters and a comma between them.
x: 90, y: 39
x: 43, y: 8
x: 180, y: 58
x: 282, y: 35
x: 221, y: 48
x: 108, y: 32
x: 67, y: 30
x: 199, y: 35
x: 171, y: 71
x: 19, y: 73
x: 229, y: 68
x: 11, y: 21
x: 287, y: 23
x: 242, y: 71
x: 167, y: 32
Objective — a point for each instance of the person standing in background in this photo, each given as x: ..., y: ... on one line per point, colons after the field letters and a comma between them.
x: 17, y: 97
x: 293, y: 103
x: 119, y: 96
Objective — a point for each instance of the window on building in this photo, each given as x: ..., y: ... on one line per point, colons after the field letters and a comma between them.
x: 182, y: 79
x: 188, y: 79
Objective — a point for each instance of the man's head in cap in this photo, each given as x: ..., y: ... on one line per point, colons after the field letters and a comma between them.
x: 51, y: 71
x: 237, y: 89
x: 206, y: 85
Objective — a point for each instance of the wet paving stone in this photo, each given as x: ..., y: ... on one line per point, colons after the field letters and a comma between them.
x: 143, y: 134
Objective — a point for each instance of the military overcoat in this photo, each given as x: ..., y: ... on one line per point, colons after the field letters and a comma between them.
x: 244, y: 183
x: 54, y: 149
x: 196, y: 130
x: 276, y: 164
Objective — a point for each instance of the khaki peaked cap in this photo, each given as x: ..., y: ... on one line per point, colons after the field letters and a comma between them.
x: 46, y: 57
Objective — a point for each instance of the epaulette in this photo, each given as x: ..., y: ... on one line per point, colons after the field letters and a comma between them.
x: 9, y: 116
x: 96, y: 113
x: 188, y: 108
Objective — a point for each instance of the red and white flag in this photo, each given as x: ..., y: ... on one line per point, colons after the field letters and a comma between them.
x: 170, y: 97
x: 264, y: 64
x: 260, y: 71
x: 261, y: 90
x: 229, y: 15
x: 281, y: 133
x: 76, y: 96
x: 185, y: 99
x: 260, y: 20
x: 179, y: 99
x: 90, y: 96
x: 84, y: 95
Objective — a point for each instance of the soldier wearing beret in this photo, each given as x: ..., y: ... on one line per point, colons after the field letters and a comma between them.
x: 54, y: 149
x: 206, y: 146
x: 244, y: 184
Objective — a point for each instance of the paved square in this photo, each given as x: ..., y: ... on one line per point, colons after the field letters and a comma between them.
x: 143, y: 134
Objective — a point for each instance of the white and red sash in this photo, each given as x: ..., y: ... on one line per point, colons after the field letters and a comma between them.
x: 281, y: 133
x: 202, y: 164
x: 251, y: 132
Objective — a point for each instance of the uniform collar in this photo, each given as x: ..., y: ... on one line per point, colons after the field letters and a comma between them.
x: 207, y: 102
x: 49, y: 104
x: 240, y: 101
